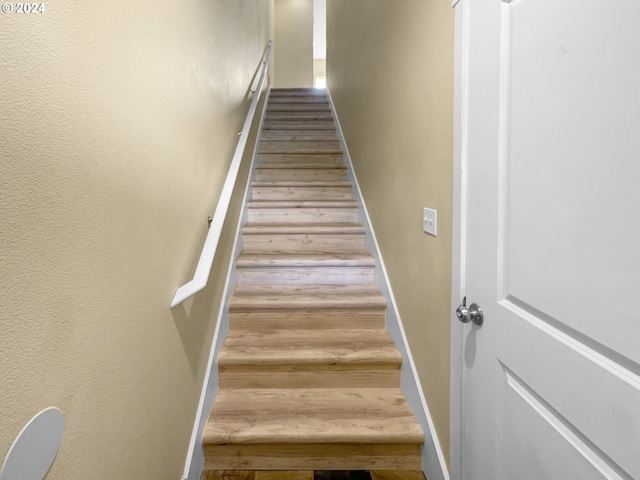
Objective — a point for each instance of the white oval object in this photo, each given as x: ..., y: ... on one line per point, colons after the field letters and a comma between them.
x: 35, y: 448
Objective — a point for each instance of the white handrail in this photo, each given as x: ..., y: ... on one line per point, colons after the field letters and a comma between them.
x: 203, y: 269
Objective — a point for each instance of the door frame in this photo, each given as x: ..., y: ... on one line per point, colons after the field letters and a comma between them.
x: 459, y: 236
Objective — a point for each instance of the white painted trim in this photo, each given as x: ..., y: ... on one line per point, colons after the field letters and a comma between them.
x: 433, y: 463
x: 201, y: 275
x: 194, y: 463
x: 458, y: 253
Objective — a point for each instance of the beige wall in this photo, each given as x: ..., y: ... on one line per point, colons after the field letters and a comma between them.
x: 319, y: 68
x: 294, y: 43
x: 119, y: 120
x: 390, y: 72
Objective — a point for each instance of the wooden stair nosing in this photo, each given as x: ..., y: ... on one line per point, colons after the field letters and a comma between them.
x: 294, y: 150
x: 294, y: 291
x: 300, y: 166
x: 296, y: 259
x: 275, y: 125
x: 301, y: 204
x: 283, y: 136
x: 328, y: 158
x: 294, y: 183
x: 310, y: 107
x: 307, y: 302
x: 295, y: 98
x: 306, y: 275
x: 336, y: 228
x: 304, y: 175
x: 320, y: 144
x: 298, y: 117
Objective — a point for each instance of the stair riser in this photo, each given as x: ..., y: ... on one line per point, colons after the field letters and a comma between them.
x: 300, y: 174
x: 299, y: 135
x: 313, y: 457
x: 299, y: 116
x: 307, y: 319
x: 303, y: 242
x: 300, y: 97
x: 284, y: 124
x: 305, y: 275
x: 299, y: 107
x: 293, y: 96
x: 301, y: 193
x: 267, y: 146
x: 328, y: 159
x: 302, y: 215
x: 351, y: 376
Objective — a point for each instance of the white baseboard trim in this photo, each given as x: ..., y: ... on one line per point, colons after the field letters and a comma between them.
x: 194, y: 464
x: 434, y: 465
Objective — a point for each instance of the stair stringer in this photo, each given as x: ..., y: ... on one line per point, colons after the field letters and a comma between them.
x: 194, y: 464
x: 433, y: 463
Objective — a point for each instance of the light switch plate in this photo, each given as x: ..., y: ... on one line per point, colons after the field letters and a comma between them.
x: 429, y: 221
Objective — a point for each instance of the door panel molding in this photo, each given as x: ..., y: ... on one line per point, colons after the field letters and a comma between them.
x: 620, y: 367
x: 573, y: 436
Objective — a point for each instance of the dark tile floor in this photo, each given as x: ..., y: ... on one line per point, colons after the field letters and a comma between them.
x: 317, y: 475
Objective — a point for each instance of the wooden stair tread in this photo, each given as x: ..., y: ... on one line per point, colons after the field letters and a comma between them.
x: 297, y: 290
x: 299, y: 166
x: 302, y: 204
x: 312, y: 183
x: 303, y: 228
x: 297, y: 259
x: 276, y: 94
x: 297, y: 116
x: 299, y: 136
x: 313, y: 90
x: 320, y: 302
x: 298, y: 99
x: 319, y: 416
x: 275, y: 125
x: 300, y: 149
x: 299, y: 107
x: 304, y: 347
x: 304, y: 297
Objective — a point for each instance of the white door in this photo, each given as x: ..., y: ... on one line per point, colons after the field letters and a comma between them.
x: 551, y: 159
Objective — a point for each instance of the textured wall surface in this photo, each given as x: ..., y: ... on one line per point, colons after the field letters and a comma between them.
x: 118, y: 122
x: 390, y: 72
x: 294, y: 43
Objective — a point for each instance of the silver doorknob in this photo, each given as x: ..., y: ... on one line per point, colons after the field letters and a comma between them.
x: 473, y: 313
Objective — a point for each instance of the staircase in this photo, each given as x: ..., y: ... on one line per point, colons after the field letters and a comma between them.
x: 309, y: 377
